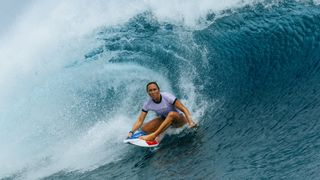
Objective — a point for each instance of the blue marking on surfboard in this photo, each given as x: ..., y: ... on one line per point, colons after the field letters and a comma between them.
x: 137, y: 135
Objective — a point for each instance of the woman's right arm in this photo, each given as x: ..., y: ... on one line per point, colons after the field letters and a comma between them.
x: 138, y: 123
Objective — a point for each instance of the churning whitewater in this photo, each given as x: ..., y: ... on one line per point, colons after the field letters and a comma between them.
x: 73, y: 75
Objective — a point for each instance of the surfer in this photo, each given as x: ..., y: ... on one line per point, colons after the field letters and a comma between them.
x: 169, y: 110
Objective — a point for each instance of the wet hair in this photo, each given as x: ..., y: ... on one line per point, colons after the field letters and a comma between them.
x: 153, y: 82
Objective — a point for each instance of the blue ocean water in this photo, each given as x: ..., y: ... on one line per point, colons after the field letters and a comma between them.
x: 249, y: 72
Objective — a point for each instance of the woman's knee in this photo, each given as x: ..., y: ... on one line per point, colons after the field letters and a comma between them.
x: 173, y: 115
x: 179, y: 122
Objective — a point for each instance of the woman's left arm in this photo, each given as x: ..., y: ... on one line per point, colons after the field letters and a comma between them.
x: 186, y: 112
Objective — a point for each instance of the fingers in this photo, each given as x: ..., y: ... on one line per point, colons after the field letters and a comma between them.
x: 192, y: 125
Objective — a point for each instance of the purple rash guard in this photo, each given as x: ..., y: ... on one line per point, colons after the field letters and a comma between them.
x: 163, y: 107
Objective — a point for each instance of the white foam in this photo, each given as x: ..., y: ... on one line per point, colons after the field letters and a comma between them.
x: 45, y: 135
x: 316, y: 2
x: 99, y: 145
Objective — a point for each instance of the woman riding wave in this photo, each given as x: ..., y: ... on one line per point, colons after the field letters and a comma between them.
x: 169, y: 110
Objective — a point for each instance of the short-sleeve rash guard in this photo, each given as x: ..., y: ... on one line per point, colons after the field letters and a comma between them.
x: 163, y: 107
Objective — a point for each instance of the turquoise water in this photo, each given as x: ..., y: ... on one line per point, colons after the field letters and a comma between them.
x: 248, y: 71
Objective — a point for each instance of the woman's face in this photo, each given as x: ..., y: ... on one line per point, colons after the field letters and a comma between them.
x: 154, y: 92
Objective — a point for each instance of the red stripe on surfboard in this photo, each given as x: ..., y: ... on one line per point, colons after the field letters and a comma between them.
x: 152, y: 142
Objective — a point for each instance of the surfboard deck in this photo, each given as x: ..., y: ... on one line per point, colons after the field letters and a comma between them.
x: 134, y: 140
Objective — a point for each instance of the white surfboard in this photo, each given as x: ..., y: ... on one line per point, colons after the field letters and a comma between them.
x: 134, y: 140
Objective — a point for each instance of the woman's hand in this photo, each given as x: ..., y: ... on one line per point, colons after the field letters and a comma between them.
x: 192, y: 124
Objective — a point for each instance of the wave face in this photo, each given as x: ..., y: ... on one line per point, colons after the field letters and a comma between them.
x: 248, y: 70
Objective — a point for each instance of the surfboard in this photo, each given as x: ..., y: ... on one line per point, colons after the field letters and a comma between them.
x: 134, y: 140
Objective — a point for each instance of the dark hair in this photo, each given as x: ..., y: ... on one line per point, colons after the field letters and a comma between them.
x: 153, y: 82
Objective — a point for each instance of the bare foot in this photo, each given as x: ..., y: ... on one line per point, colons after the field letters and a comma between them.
x: 149, y: 137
